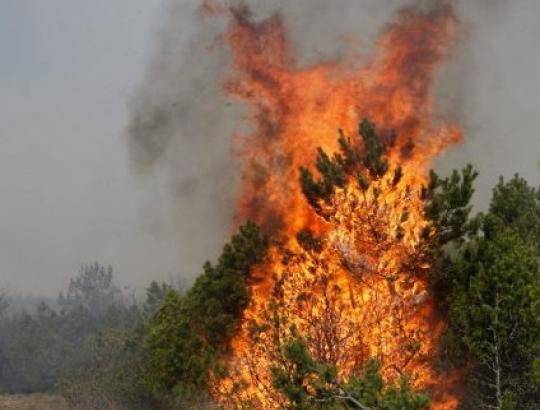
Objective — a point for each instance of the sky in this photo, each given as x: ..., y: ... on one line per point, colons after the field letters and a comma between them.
x: 67, y: 193
x: 69, y: 70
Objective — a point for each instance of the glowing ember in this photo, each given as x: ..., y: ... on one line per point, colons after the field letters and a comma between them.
x: 357, y: 290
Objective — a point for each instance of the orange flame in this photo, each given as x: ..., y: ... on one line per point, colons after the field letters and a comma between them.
x: 365, y: 287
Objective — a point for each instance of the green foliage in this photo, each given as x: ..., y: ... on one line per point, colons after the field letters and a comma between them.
x: 487, y: 275
x: 178, y: 358
x: 220, y: 294
x: 112, y: 374
x: 114, y: 368
x: 307, y: 384
x: 497, y: 290
x: 333, y: 175
x: 92, y: 289
x: 494, y: 303
x: 448, y: 205
x: 351, y: 160
x: 22, y: 371
x: 374, y: 150
x: 155, y: 294
x: 187, y: 332
x: 448, y: 208
x: 517, y: 204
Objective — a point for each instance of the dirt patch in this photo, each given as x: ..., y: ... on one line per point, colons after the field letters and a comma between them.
x: 32, y: 402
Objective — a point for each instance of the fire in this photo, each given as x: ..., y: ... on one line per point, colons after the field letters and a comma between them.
x: 350, y: 277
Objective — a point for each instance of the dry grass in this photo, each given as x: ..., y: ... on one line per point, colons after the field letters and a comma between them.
x: 32, y: 402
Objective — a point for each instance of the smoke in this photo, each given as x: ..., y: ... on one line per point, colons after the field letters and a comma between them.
x: 179, y: 134
x: 490, y: 88
x: 181, y: 123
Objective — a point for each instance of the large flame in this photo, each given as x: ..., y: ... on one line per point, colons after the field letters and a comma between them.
x: 361, y: 291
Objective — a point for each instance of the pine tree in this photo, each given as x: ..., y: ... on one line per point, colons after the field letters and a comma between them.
x: 448, y: 205
x: 494, y: 315
x: 365, y: 161
x: 517, y: 204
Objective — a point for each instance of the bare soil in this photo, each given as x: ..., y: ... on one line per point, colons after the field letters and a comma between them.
x: 32, y: 402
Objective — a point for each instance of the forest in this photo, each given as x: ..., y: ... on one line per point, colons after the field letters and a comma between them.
x: 100, y: 348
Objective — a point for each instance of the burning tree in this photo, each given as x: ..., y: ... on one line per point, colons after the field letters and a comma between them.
x: 358, y: 264
x: 342, y: 307
x: 351, y: 261
x: 357, y: 291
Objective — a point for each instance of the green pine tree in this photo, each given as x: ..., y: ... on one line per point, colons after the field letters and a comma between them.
x: 366, y: 161
x: 517, y: 204
x: 494, y: 315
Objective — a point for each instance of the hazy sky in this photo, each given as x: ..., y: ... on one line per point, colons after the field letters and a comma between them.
x: 68, y: 70
x: 67, y: 194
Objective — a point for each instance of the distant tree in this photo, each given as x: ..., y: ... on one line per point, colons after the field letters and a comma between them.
x: 93, y: 289
x: 43, y: 345
x: 34, y: 351
x: 155, y: 294
x: 4, y: 301
x: 112, y: 376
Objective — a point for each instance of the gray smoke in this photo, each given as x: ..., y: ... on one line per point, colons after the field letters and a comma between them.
x: 179, y: 134
x: 181, y: 123
x: 494, y: 89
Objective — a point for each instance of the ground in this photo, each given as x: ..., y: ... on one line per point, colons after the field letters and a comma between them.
x: 32, y: 402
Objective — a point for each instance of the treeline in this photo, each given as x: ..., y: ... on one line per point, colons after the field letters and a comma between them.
x: 101, y: 348
x: 62, y: 345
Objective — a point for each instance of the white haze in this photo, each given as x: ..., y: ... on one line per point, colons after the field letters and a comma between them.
x: 76, y: 74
